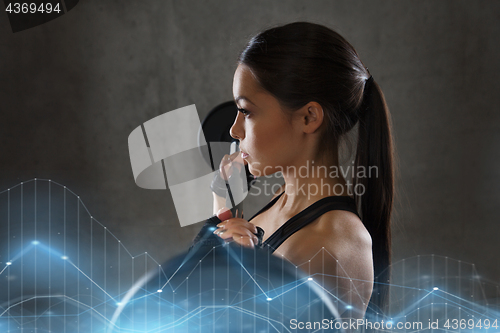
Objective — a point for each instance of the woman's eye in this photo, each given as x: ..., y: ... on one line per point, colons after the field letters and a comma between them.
x: 245, y: 112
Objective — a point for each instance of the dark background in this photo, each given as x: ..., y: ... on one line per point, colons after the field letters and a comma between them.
x: 74, y: 88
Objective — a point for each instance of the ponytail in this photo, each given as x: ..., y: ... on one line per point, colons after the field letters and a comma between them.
x: 375, y: 151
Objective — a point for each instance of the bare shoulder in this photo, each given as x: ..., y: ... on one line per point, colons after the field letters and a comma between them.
x: 346, y: 238
x: 343, y: 227
x: 341, y: 233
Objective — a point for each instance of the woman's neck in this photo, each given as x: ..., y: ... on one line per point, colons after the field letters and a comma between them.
x: 308, y: 181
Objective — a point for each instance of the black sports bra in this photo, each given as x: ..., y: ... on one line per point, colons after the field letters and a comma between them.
x: 305, y: 217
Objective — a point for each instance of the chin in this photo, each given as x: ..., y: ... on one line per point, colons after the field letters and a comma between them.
x: 253, y: 171
x: 260, y: 172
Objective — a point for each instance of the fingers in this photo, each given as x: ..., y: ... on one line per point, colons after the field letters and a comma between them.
x: 230, y: 161
x: 242, y: 240
x: 245, y: 240
x: 237, y: 222
x: 237, y: 230
x: 236, y: 156
x: 245, y: 162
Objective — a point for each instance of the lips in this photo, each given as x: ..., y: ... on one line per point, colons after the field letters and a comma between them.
x: 243, y: 154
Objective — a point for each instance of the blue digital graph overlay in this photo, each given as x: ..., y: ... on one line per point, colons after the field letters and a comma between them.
x: 61, y: 270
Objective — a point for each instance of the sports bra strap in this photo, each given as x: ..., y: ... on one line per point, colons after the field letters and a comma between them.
x: 306, y: 216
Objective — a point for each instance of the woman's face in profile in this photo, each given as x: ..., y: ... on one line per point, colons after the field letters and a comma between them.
x: 262, y: 128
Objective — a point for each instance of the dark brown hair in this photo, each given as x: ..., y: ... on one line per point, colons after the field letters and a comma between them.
x: 302, y: 62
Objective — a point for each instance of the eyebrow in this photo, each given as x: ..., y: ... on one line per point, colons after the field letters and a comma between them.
x: 239, y: 98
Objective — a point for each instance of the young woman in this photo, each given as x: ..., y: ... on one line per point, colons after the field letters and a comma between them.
x: 300, y: 89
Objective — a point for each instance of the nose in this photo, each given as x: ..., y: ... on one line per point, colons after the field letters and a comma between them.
x: 237, y: 131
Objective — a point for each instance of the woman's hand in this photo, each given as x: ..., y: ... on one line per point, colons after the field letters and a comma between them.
x: 236, y: 229
x: 229, y: 162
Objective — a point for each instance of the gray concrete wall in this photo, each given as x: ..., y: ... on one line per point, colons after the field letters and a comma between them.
x: 74, y: 88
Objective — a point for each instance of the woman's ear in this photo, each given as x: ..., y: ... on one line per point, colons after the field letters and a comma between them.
x: 311, y: 117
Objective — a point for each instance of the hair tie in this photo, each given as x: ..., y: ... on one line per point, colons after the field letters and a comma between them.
x: 363, y: 108
x: 368, y: 83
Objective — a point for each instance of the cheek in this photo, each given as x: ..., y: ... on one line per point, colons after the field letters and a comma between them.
x: 268, y: 145
x: 262, y: 140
